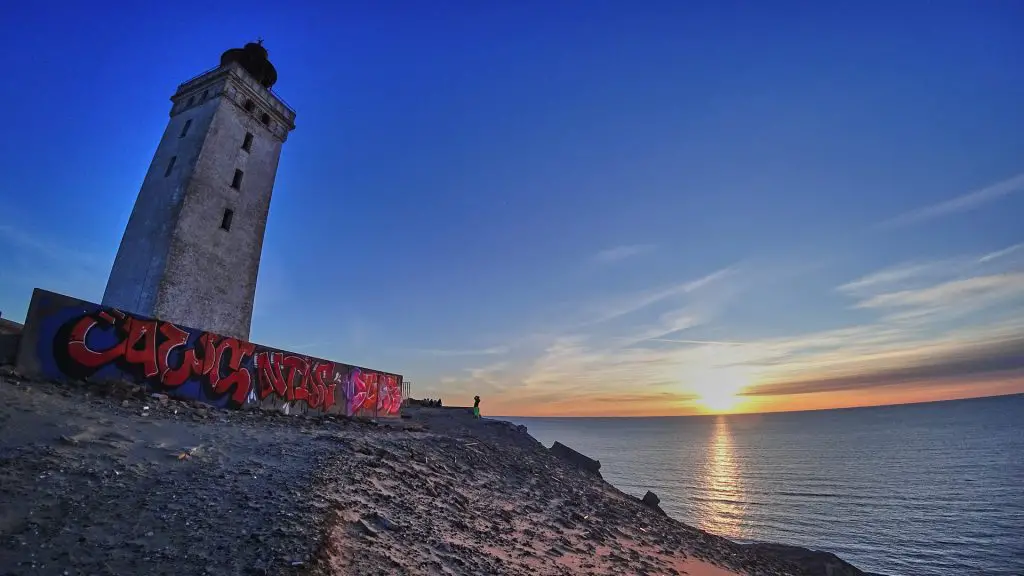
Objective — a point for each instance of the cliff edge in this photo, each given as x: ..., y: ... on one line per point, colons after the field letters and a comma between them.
x: 108, y: 479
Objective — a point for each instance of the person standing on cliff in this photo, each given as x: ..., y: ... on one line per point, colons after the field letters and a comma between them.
x: 476, y: 406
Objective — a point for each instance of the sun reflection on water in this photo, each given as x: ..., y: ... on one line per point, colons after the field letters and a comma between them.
x: 721, y: 504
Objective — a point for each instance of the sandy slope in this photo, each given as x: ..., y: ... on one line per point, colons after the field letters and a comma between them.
x: 480, y: 497
x: 98, y: 485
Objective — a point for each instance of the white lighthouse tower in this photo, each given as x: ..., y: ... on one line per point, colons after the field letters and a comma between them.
x: 191, y: 251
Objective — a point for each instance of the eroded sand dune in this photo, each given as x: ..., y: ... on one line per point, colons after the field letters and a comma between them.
x: 97, y: 479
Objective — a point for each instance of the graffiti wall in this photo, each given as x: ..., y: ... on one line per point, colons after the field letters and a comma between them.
x: 69, y: 338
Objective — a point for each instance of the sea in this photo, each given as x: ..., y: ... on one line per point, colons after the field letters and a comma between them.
x: 915, y: 490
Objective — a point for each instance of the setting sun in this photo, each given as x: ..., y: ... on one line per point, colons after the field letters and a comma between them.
x: 718, y: 390
x: 718, y: 400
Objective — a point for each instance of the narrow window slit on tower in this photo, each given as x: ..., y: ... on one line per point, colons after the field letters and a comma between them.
x: 225, y: 221
x: 236, y: 182
x: 191, y: 100
x: 184, y: 129
x: 205, y: 94
x: 247, y: 143
x: 265, y: 118
x: 249, y: 106
x: 170, y: 166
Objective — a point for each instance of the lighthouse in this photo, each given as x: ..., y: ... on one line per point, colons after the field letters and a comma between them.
x: 190, y: 253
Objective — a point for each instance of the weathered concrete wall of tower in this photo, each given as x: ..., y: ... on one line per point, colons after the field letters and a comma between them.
x: 66, y: 338
x: 182, y: 258
x: 211, y: 272
x: 142, y: 257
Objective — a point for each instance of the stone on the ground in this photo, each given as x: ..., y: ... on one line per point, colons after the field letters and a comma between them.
x: 573, y: 457
x: 651, y: 499
x: 814, y: 561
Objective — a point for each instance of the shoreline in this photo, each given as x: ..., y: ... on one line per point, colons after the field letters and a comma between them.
x: 109, y: 479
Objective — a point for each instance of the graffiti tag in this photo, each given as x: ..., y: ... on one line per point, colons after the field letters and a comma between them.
x: 230, y: 371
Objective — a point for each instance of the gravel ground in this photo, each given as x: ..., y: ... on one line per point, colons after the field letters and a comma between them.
x: 142, y: 485
x: 107, y: 479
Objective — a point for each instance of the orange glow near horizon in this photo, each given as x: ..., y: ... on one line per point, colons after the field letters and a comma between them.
x: 727, y: 398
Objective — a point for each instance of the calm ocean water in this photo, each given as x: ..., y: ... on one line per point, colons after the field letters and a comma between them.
x: 922, y: 489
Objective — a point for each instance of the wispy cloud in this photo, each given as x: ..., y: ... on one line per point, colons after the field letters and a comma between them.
x: 697, y: 342
x: 591, y: 361
x: 895, y: 277
x: 460, y: 352
x: 630, y: 303
x: 931, y: 322
x: 619, y: 253
x: 487, y: 374
x: 965, y: 360
x: 1001, y: 253
x: 484, y: 380
x: 937, y: 330
x: 947, y: 287
x: 663, y: 397
x: 964, y: 203
x: 979, y: 291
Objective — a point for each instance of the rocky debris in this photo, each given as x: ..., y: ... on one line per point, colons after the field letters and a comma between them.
x: 378, y: 522
x: 652, y: 501
x: 815, y: 562
x: 575, y: 458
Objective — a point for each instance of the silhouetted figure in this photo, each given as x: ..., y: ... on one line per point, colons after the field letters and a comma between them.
x: 476, y: 406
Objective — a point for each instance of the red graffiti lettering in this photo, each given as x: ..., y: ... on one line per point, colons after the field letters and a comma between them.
x: 165, y: 355
x: 237, y: 378
x: 80, y: 351
x: 290, y: 377
x: 146, y: 347
x: 389, y: 395
x: 297, y: 373
x: 173, y: 337
x: 268, y: 367
x: 140, y: 346
x: 322, y: 387
x: 191, y: 363
x: 364, y: 390
x: 356, y: 391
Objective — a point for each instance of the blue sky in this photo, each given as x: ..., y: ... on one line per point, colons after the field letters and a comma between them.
x: 543, y: 202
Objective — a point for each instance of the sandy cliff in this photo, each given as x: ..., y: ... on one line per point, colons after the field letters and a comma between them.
x: 97, y: 479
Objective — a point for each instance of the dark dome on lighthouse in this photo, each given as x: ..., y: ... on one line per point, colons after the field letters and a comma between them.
x: 252, y: 57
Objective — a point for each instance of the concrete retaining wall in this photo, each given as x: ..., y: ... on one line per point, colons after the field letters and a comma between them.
x: 66, y: 338
x: 8, y: 327
x: 9, y: 348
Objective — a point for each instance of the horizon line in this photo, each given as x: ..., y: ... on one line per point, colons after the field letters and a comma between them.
x: 715, y: 414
